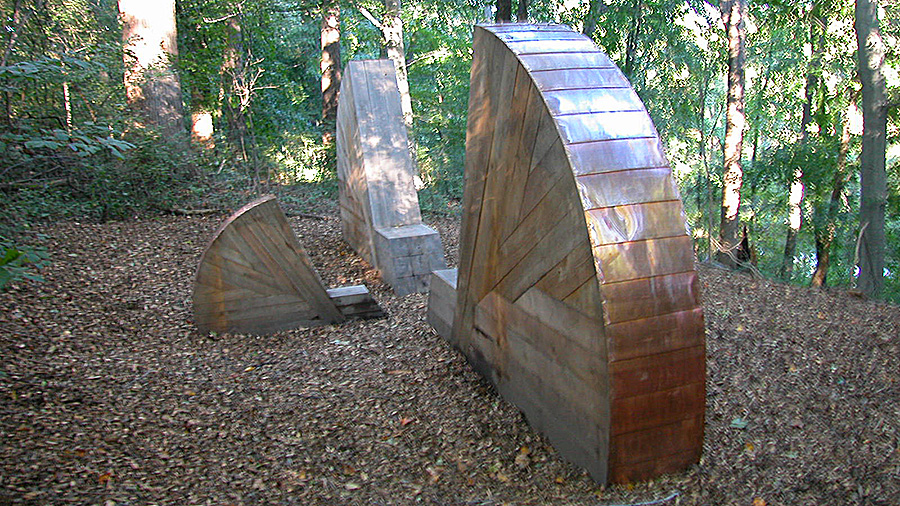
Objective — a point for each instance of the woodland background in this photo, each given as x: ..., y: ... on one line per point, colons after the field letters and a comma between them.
x: 95, y: 128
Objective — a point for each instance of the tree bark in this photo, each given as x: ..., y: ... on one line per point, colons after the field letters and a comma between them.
x: 595, y: 9
x: 825, y: 232
x: 330, y: 64
x: 392, y: 31
x: 873, y: 178
x: 522, y: 12
x: 631, y: 43
x: 733, y: 13
x: 504, y: 11
x: 795, y: 197
x: 151, y: 85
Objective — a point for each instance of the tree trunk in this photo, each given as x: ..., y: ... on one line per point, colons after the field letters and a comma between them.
x: 795, y: 198
x: 733, y: 12
x: 637, y: 14
x: 873, y: 178
x: 825, y: 232
x: 330, y: 65
x: 595, y: 9
x: 151, y: 85
x: 522, y: 12
x: 232, y: 67
x: 392, y: 30
x: 504, y: 11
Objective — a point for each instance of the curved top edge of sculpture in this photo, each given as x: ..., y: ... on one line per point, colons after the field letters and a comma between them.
x: 577, y: 294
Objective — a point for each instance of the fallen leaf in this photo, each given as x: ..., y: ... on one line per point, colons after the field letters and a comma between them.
x: 759, y: 501
x: 749, y: 447
x: 103, y: 478
x: 739, y: 423
x: 352, y: 486
x: 406, y: 421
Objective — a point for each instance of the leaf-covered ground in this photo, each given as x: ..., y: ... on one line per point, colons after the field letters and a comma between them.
x: 108, y: 395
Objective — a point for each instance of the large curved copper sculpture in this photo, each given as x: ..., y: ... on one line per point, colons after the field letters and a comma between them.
x: 577, y: 295
x: 379, y: 205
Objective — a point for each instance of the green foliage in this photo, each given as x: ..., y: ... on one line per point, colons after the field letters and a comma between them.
x: 20, y: 262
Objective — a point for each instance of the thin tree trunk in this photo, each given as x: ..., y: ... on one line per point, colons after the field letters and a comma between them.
x: 504, y: 11
x: 637, y: 15
x: 151, y: 85
x: 595, y: 9
x: 733, y: 12
x: 392, y: 31
x: 233, y: 65
x: 330, y: 65
x: 873, y: 178
x: 19, y: 17
x: 522, y: 11
x: 795, y: 197
x: 825, y: 233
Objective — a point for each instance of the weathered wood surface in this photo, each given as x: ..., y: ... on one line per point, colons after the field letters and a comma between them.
x: 576, y: 292
x: 442, y: 301
x: 379, y: 205
x: 255, y: 278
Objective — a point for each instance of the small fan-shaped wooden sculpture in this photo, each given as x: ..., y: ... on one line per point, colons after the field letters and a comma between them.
x: 379, y: 204
x: 255, y: 278
x: 577, y: 295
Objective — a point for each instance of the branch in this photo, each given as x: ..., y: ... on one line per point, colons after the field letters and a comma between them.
x: 368, y: 15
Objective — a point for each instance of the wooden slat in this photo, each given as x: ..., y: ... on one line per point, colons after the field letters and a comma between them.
x: 646, y: 297
x: 599, y: 126
x: 617, y: 154
x: 648, y: 445
x: 626, y: 187
x: 592, y: 100
x: 552, y: 46
x: 641, y: 471
x: 656, y: 409
x: 661, y: 371
x: 565, y: 61
x: 575, y: 79
x: 643, y: 259
x: 657, y: 334
x: 569, y: 274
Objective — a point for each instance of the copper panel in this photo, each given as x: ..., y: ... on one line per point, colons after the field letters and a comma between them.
x: 626, y: 187
x: 636, y: 222
x: 641, y: 446
x: 556, y: 61
x: 592, y: 100
x: 617, y: 154
x: 599, y: 126
x: 646, y: 297
x: 570, y: 79
x: 497, y: 28
x: 641, y: 259
x: 658, y: 408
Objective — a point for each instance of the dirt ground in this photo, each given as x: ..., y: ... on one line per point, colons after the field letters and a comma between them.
x: 109, y: 396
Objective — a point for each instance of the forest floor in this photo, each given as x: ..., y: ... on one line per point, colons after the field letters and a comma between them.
x: 110, y: 396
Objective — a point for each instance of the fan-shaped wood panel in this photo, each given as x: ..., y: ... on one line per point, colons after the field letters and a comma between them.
x: 576, y: 292
x: 255, y: 278
x: 379, y: 204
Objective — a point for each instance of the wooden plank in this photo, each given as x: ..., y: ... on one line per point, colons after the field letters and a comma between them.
x: 582, y: 44
x: 569, y: 274
x: 586, y: 298
x: 269, y: 311
x: 658, y: 442
x: 608, y: 189
x: 442, y: 302
x: 558, y: 33
x: 657, y: 334
x: 661, y: 371
x: 617, y: 154
x: 582, y: 100
x: 642, y: 259
x: 652, y: 468
x: 565, y: 61
x: 566, y: 320
x: 545, y: 174
x: 646, y: 297
x: 636, y: 222
x: 658, y: 408
x: 598, y: 126
x: 251, y: 302
x: 578, y: 78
